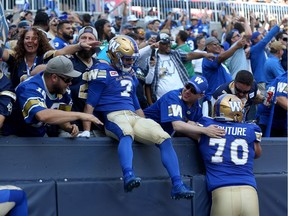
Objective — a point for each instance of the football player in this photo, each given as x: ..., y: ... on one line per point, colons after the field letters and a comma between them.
x: 112, y: 91
x: 229, y: 160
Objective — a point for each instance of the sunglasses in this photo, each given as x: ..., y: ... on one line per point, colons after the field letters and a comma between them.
x: 65, y: 79
x: 241, y: 91
x: 191, y: 88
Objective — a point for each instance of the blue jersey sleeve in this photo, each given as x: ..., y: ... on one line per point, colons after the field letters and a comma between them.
x: 7, y: 95
x: 171, y: 109
x: 31, y: 101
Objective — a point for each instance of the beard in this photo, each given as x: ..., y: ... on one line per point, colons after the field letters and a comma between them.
x: 67, y: 37
x: 56, y: 89
x: 86, y: 54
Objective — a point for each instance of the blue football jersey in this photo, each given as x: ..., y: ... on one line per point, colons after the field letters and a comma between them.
x: 170, y: 107
x: 79, y: 86
x: 59, y: 43
x: 229, y: 160
x: 32, y: 97
x: 20, y: 72
x: 112, y: 90
x: 7, y: 95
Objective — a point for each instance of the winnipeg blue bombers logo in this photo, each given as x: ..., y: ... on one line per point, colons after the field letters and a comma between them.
x: 113, y: 45
x: 282, y: 87
x: 175, y: 110
x: 199, y: 80
x: 236, y: 106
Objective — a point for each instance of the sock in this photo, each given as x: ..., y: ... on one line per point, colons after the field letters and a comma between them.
x: 21, y: 207
x: 170, y: 161
x: 125, y: 153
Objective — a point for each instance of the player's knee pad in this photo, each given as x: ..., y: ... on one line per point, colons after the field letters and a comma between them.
x: 117, y: 126
x: 149, y: 132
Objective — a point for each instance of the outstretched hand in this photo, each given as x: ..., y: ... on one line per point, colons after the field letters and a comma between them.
x: 214, y: 131
x: 90, y: 118
x: 90, y: 44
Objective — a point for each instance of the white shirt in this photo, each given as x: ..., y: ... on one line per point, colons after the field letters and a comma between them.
x: 197, y: 63
x: 169, y: 78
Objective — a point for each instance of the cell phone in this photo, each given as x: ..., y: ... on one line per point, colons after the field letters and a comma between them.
x: 152, y: 54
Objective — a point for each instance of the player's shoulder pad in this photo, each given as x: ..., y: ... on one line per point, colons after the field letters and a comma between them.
x: 100, y: 72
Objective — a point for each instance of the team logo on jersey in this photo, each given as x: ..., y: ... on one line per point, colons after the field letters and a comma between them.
x: 175, y: 110
x: 9, y: 107
x: 258, y: 136
x: 102, y: 74
x: 282, y: 87
x: 235, y: 106
x: 113, y: 73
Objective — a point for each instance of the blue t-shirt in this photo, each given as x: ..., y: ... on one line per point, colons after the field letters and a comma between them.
x: 216, y: 75
x: 280, y: 114
x: 272, y: 69
x: 229, y: 160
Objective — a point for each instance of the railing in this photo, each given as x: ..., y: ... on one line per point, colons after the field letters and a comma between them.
x: 213, y: 7
x: 162, y: 7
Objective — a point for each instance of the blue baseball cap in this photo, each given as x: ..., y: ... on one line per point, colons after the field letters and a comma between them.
x: 254, y: 36
x: 200, y: 83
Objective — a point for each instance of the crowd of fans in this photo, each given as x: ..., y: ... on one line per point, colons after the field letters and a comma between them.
x: 171, y: 52
x: 53, y: 67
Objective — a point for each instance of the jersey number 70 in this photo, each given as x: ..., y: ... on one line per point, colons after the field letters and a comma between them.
x: 234, y: 150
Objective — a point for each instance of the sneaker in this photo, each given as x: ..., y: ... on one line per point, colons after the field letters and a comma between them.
x: 131, y: 182
x: 181, y: 192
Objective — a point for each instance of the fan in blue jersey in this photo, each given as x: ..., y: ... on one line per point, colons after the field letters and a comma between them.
x: 45, y: 99
x: 83, y: 61
x: 13, y: 201
x: 7, y: 97
x: 229, y: 160
x: 28, y: 53
x: 112, y: 91
x: 64, y: 35
x: 278, y: 91
x: 178, y: 110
